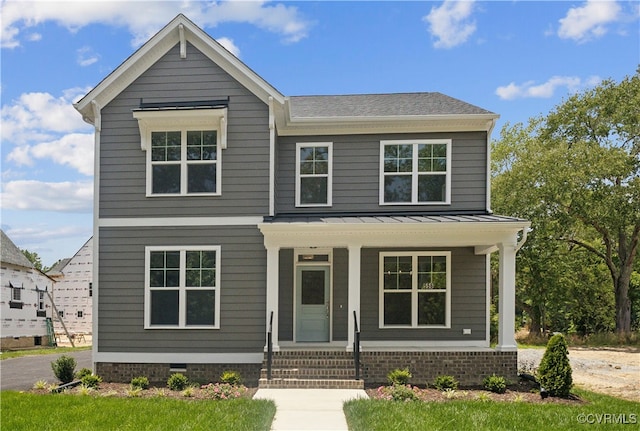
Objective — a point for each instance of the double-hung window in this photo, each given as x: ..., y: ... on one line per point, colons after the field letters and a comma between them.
x: 182, y: 287
x: 184, y: 150
x: 313, y: 174
x: 184, y: 162
x: 415, y: 289
x: 415, y: 172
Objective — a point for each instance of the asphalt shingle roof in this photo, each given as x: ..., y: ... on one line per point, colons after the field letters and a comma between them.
x: 381, y: 105
x: 10, y: 253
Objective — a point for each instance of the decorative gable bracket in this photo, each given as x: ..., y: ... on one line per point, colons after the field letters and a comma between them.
x: 179, y: 118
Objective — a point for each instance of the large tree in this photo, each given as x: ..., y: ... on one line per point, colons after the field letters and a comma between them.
x: 576, y: 174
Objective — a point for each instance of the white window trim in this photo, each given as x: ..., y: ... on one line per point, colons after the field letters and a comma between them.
x: 183, y: 121
x: 414, y: 174
x: 329, y: 175
x: 414, y: 290
x: 181, y: 288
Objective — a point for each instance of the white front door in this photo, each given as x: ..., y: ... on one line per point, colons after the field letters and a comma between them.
x: 312, y: 303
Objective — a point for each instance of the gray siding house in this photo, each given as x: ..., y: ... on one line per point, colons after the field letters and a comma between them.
x: 231, y: 220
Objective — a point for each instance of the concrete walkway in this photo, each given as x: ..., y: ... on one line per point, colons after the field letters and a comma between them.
x: 309, y: 409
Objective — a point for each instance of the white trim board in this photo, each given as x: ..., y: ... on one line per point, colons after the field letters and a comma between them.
x: 179, y: 221
x: 184, y: 358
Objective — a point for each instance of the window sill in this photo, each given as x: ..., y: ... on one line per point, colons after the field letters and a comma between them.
x: 165, y: 327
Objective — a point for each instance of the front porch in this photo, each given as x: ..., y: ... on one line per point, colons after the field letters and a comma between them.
x: 418, y: 288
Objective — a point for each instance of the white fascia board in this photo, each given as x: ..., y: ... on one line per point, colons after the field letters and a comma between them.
x: 455, y: 234
x: 182, y: 358
x: 158, y: 46
x: 290, y: 126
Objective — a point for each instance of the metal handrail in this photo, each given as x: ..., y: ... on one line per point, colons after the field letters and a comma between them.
x: 356, y: 345
x: 270, y: 346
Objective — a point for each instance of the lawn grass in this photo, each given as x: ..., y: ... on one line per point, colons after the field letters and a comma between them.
x: 24, y: 411
x: 44, y: 351
x: 476, y: 415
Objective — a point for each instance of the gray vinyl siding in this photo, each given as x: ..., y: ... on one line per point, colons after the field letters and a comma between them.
x: 340, y: 293
x: 242, y: 294
x: 285, y: 296
x: 356, y: 173
x: 245, y: 162
x: 468, y: 300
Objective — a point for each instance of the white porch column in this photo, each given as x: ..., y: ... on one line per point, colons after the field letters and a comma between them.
x: 273, y: 257
x: 354, y: 292
x: 507, y: 298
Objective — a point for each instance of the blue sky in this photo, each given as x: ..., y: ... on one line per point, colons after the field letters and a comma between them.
x: 516, y: 58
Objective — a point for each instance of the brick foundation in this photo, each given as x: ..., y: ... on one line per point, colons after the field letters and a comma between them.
x: 469, y: 368
x: 159, y: 373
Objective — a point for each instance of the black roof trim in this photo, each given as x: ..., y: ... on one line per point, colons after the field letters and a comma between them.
x: 199, y: 104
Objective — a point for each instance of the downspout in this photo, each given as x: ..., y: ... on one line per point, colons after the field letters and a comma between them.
x: 525, y: 232
x: 272, y: 157
x: 488, y: 197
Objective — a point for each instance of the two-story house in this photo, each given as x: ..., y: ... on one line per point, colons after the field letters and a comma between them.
x: 73, y: 293
x: 24, y: 300
x: 231, y: 220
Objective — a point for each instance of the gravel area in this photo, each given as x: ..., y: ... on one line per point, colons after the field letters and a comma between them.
x: 612, y: 371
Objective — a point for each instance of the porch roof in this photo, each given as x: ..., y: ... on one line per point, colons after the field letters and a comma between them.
x: 390, y: 218
x: 482, y: 231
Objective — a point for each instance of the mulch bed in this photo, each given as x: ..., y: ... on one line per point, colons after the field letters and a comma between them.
x: 123, y: 390
x: 519, y: 392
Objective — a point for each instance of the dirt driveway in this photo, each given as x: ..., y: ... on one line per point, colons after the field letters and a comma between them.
x: 612, y: 371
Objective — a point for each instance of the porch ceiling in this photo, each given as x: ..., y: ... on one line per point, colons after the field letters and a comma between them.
x: 480, y: 231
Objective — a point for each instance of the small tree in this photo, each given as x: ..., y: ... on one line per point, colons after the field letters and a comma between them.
x: 63, y: 368
x: 554, y: 372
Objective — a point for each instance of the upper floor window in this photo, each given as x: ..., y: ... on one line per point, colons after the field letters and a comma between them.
x: 182, y: 287
x: 184, y: 162
x: 184, y: 150
x: 313, y: 174
x: 415, y: 172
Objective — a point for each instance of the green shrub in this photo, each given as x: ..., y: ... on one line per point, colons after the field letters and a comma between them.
x: 223, y: 391
x: 177, y: 382
x: 140, y: 382
x: 91, y: 381
x: 442, y: 383
x: 399, y: 377
x: 63, y: 368
x: 231, y: 377
x: 497, y: 384
x: 398, y: 393
x: 554, y: 372
x: 83, y: 372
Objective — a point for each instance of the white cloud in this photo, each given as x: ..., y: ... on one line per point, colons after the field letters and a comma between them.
x: 144, y: 18
x: 545, y: 90
x: 43, y: 196
x: 74, y: 150
x: 451, y: 23
x: 589, y: 20
x: 43, y: 232
x: 86, y: 56
x: 39, y: 117
x: 229, y: 45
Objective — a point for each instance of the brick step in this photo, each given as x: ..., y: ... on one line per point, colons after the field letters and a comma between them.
x: 310, y: 373
x: 284, y: 383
